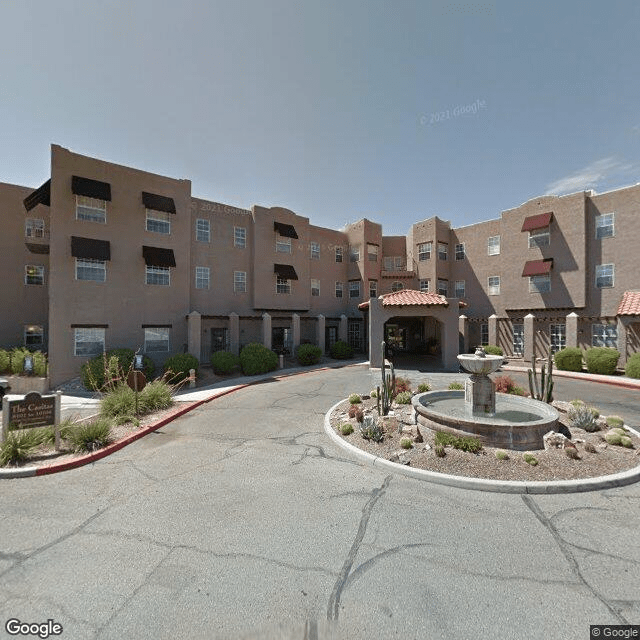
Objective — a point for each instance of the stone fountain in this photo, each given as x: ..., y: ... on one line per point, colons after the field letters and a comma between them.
x: 498, y: 420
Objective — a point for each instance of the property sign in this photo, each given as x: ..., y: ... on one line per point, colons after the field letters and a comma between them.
x: 33, y: 411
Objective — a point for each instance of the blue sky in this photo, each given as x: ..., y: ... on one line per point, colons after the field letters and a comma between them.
x: 336, y: 109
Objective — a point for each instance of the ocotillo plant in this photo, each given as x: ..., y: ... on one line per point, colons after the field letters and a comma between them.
x: 385, y: 392
x: 545, y: 391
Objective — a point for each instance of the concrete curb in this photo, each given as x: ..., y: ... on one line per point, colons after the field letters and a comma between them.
x: 585, y: 377
x: 479, y: 484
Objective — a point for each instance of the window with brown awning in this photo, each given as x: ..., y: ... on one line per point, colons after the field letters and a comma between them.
x: 158, y: 257
x: 285, y: 271
x: 158, y: 203
x: 42, y: 195
x: 90, y: 249
x: 539, y: 221
x: 91, y: 188
x: 285, y: 230
x: 537, y: 267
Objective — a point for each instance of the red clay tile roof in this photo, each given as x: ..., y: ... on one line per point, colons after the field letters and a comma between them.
x: 630, y: 304
x: 410, y: 298
x: 539, y: 221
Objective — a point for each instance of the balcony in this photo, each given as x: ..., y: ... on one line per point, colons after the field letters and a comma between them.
x: 398, y: 270
x: 37, y: 240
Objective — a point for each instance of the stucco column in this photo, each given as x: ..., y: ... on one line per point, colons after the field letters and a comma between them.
x: 266, y: 330
x: 463, y: 328
x: 295, y: 331
x: 529, y: 336
x: 571, y: 330
x: 376, y: 332
x: 492, y: 321
x: 234, y: 333
x: 320, y: 332
x: 622, y: 341
x: 449, y: 336
x: 194, y: 334
x: 342, y: 331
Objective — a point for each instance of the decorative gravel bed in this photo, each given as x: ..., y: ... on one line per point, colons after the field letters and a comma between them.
x: 553, y: 464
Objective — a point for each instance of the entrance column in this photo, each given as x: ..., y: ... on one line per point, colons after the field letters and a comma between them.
x: 320, y: 332
x: 463, y: 329
x: 234, y: 333
x: 571, y: 330
x: 529, y: 337
x: 376, y: 332
x: 492, y: 321
x: 295, y: 331
x: 342, y: 331
x: 194, y: 334
x: 266, y: 330
x: 622, y: 341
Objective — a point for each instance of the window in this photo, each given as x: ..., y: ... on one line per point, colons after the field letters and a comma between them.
x: 158, y: 221
x: 394, y: 263
x: 443, y: 287
x: 338, y: 254
x: 397, y: 286
x: 558, y: 335
x: 605, y: 225
x: 156, y: 339
x: 494, y: 285
x: 372, y: 252
x: 539, y: 238
x: 493, y: 246
x: 240, y: 238
x: 33, y: 336
x: 34, y: 228
x: 424, y: 251
x: 88, y: 342
x: 540, y: 284
x: 339, y: 288
x: 424, y: 286
x: 202, y: 277
x: 460, y: 252
x: 315, y: 287
x: 283, y: 245
x: 354, y: 289
x: 604, y: 275
x: 239, y: 281
x: 442, y: 251
x: 283, y: 285
x: 158, y: 275
x: 459, y: 288
x: 34, y: 274
x: 315, y: 251
x: 604, y: 335
x: 203, y: 230
x: 373, y: 288
x: 518, y: 339
x: 484, y: 333
x: 90, y: 269
x: 354, y: 254
x: 91, y: 209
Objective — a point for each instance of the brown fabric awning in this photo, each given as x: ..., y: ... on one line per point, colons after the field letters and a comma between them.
x: 157, y: 257
x: 158, y: 203
x: 91, y: 188
x: 42, y: 195
x: 537, y: 267
x: 538, y: 221
x: 285, y: 271
x: 285, y: 230
x: 34, y: 247
x: 90, y: 249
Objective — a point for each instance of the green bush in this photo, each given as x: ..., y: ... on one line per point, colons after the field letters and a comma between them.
x: 568, y: 359
x: 440, y: 451
x: 346, y: 429
x: 354, y: 398
x: 90, y: 436
x: 632, y: 368
x: 18, y: 445
x: 403, y: 398
x: 582, y: 417
x: 423, y: 387
x: 110, y: 368
x: 456, y: 386
x: 308, y: 354
x: 118, y: 402
x: 602, y: 360
x: 157, y: 395
x: 615, y: 421
x: 179, y: 365
x: 492, y: 350
x: 340, y: 350
x: 464, y: 443
x: 256, y: 358
x: 224, y: 362
x: 406, y: 443
x: 502, y: 455
x: 4, y: 361
x: 529, y: 458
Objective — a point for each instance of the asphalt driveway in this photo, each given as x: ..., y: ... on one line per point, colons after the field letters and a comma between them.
x: 242, y: 520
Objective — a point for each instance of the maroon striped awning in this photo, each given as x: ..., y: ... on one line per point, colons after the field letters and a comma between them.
x: 539, y: 221
x: 537, y: 267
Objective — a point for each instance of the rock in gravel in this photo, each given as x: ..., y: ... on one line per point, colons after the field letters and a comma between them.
x: 412, y: 431
x: 554, y: 440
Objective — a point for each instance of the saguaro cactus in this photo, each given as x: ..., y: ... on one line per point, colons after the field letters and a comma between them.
x: 545, y: 391
x: 385, y: 392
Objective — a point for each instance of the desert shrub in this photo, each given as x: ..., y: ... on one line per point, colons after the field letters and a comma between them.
x: 402, y: 385
x: 440, y: 451
x: 406, y: 443
x: 504, y: 384
x: 5, y: 361
x: 492, y: 349
x: 346, y: 429
x: 502, y: 455
x: 529, y: 458
x: 256, y: 358
x: 308, y: 354
x: 577, y: 403
x: 614, y: 421
x: 423, y: 387
x: 572, y: 453
x: 177, y: 367
x: 110, y: 368
x: 590, y: 447
x: 118, y: 402
x: 464, y: 443
x: 371, y: 430
x: 354, y: 398
x: 518, y: 391
x: 582, y: 418
x: 224, y: 362
x: 456, y: 386
x: 90, y: 436
x: 13, y: 361
x: 568, y: 359
x: 403, y: 398
x: 626, y: 441
x: 157, y: 395
x: 18, y: 445
x: 595, y: 412
x: 602, y: 360
x: 340, y: 350
x: 374, y: 393
x: 632, y: 368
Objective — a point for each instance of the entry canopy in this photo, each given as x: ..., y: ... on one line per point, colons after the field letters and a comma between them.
x: 285, y: 230
x: 539, y: 221
x: 537, y: 267
x: 158, y: 203
x: 90, y: 249
x: 630, y: 304
x: 411, y: 298
x: 42, y: 195
x: 285, y: 271
x: 158, y: 257
x: 91, y: 188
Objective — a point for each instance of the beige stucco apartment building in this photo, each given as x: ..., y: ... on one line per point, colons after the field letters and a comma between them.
x: 103, y: 256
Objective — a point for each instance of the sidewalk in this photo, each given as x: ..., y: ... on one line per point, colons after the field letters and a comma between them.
x: 618, y: 381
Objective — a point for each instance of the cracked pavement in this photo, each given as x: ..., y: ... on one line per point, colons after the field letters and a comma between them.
x: 242, y: 520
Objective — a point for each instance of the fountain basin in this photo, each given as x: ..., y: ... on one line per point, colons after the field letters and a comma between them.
x: 480, y: 365
x: 519, y: 423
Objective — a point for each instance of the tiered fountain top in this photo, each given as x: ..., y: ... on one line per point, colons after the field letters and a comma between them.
x: 480, y: 363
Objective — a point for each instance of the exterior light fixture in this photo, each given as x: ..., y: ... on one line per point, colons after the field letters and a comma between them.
x: 28, y: 365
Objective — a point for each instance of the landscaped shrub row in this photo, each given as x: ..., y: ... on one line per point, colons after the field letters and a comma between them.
x: 602, y: 360
x: 256, y: 358
x: 12, y: 361
x: 633, y: 366
x: 340, y: 350
x: 114, y: 365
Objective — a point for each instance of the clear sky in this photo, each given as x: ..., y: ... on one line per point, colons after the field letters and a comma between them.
x: 336, y: 109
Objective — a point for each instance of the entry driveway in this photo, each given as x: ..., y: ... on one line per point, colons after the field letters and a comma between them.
x: 242, y: 520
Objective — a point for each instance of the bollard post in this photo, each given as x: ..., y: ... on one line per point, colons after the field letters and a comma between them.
x: 281, y: 357
x: 5, y: 419
x: 56, y: 420
x: 192, y: 378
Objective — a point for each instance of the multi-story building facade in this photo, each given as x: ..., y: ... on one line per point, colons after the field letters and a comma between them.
x: 104, y: 256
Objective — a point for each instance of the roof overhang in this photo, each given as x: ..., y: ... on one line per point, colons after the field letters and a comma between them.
x: 158, y: 203
x: 158, y: 257
x: 285, y: 271
x: 537, y: 267
x: 90, y: 249
x: 539, y: 221
x: 91, y: 188
x: 286, y: 230
x: 42, y: 195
